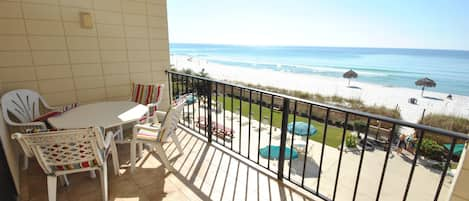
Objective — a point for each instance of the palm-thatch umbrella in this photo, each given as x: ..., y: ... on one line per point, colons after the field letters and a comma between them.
x: 425, y: 82
x: 349, y: 75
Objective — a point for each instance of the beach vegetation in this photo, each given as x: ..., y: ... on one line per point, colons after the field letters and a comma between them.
x: 189, y: 71
x: 351, y: 103
x: 359, y: 126
x: 431, y: 149
x: 337, y: 99
x: 351, y: 140
x: 452, y: 123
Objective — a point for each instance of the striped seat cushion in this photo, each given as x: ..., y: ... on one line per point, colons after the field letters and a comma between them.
x: 148, y: 135
x: 85, y: 164
x: 146, y: 94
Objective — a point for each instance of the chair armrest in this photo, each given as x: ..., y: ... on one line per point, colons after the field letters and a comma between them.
x: 150, y: 107
x: 16, y: 136
x: 44, y: 103
x: 147, y: 127
x: 22, y: 127
x: 30, y: 124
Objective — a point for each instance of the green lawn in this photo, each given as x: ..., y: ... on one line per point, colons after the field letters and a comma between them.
x: 334, y: 134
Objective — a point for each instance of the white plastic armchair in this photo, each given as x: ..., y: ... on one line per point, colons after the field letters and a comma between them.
x: 157, y: 134
x: 66, y: 152
x: 24, y: 105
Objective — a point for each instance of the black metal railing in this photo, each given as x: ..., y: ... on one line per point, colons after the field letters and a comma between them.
x: 225, y: 114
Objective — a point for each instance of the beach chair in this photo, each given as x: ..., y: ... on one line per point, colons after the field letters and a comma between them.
x: 413, y: 101
x: 201, y: 122
x: 156, y: 134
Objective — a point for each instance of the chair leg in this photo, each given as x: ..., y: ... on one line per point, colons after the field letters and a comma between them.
x: 104, y: 182
x: 160, y: 151
x: 25, y: 162
x: 139, y: 150
x: 121, y: 133
x: 177, y: 143
x: 115, y: 158
x: 133, y: 155
x: 64, y: 181
x: 151, y: 147
x: 52, y: 187
x: 92, y: 174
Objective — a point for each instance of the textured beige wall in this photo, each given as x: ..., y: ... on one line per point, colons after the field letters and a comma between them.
x: 43, y: 47
x: 459, y: 186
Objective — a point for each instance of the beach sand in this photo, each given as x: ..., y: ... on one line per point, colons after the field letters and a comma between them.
x: 370, y: 94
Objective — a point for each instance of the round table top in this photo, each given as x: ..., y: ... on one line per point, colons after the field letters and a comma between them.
x: 105, y: 114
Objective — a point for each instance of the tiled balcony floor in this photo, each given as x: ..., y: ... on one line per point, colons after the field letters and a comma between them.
x: 203, y: 173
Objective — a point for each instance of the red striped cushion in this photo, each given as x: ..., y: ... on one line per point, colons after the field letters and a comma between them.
x: 85, y: 164
x: 145, y: 94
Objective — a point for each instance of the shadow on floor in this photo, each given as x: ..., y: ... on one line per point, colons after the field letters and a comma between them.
x: 212, y: 173
x: 312, y: 168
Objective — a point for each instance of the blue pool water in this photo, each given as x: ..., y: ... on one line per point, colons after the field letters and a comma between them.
x: 389, y: 67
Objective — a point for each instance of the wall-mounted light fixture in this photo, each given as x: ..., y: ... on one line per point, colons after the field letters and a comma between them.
x: 86, y: 22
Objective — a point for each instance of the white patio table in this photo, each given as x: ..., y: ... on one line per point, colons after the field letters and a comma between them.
x: 110, y: 115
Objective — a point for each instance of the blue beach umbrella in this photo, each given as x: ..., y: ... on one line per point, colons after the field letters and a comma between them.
x: 458, y: 148
x: 191, y: 99
x: 301, y: 129
x: 275, y: 152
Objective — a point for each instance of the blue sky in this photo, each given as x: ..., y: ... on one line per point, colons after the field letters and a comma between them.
x: 426, y: 24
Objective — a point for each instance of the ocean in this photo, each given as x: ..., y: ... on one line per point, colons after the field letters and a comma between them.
x: 383, y: 66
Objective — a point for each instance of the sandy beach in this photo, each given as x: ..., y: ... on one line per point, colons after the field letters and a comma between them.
x: 370, y: 94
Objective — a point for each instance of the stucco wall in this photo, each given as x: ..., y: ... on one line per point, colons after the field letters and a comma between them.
x: 43, y: 47
x: 461, y: 182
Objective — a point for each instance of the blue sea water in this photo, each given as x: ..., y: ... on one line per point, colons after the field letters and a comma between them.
x: 383, y: 66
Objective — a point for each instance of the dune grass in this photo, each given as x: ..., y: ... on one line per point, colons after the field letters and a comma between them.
x: 447, y: 122
x: 336, y: 100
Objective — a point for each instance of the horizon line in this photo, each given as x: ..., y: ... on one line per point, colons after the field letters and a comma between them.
x: 254, y: 45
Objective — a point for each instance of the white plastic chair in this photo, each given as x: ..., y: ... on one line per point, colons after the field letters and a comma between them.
x: 156, y: 134
x: 24, y: 105
x: 142, y: 96
x: 151, y: 100
x: 66, y: 152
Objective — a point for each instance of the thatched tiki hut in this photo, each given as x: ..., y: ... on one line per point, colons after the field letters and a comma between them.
x: 350, y: 75
x: 425, y: 82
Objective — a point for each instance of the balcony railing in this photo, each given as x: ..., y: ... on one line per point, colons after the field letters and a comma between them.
x: 246, y: 120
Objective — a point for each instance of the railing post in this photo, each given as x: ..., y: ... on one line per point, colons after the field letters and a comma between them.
x: 209, y: 111
x: 283, y: 137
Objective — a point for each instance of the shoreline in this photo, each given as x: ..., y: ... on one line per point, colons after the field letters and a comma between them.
x: 370, y: 94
